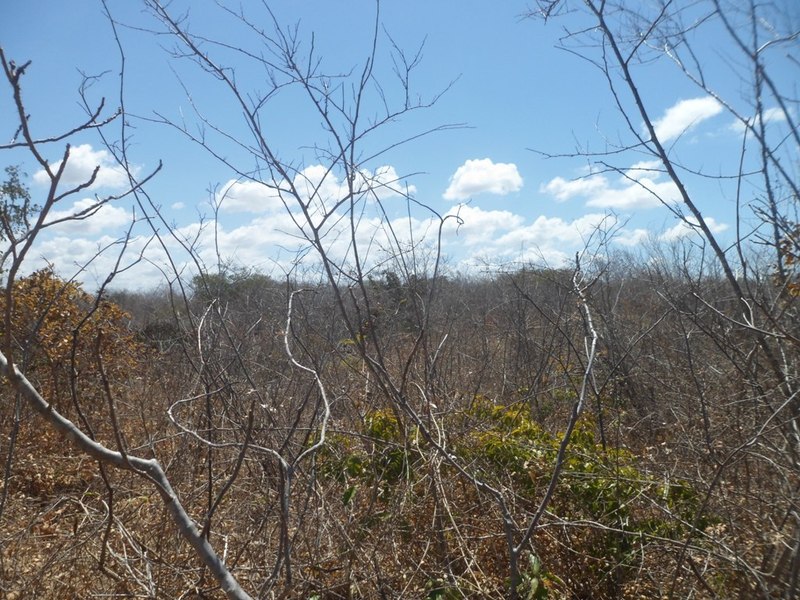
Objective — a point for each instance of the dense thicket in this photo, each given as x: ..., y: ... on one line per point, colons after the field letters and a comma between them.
x: 618, y: 428
x: 677, y: 476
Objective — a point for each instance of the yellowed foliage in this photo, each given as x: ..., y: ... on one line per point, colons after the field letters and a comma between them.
x: 60, y: 330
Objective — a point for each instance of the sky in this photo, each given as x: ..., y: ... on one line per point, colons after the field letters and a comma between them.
x: 520, y: 152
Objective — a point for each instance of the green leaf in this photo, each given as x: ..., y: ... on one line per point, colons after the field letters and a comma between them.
x: 348, y: 494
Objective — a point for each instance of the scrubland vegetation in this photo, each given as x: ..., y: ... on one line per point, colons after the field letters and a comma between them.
x: 676, y: 478
x: 622, y: 427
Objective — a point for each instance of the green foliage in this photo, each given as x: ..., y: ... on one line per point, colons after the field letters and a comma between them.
x: 603, y: 485
x: 439, y: 589
x: 339, y: 460
x: 383, y: 458
x: 533, y: 585
x: 389, y: 460
x: 596, y: 483
x: 348, y: 494
x: 238, y: 287
x: 15, y: 204
x: 606, y: 486
x: 505, y: 439
x: 382, y: 425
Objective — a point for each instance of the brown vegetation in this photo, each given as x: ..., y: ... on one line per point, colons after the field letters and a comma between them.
x: 673, y: 465
x: 624, y: 427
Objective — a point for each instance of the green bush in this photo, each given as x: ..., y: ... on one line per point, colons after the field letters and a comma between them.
x: 606, y: 486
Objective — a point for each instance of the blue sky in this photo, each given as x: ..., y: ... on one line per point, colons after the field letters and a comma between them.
x: 509, y: 86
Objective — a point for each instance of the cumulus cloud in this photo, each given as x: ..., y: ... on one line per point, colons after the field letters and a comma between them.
x: 631, y: 238
x: 473, y: 225
x: 552, y: 241
x: 82, y: 162
x: 639, y: 189
x: 87, y: 218
x: 473, y: 238
x: 770, y: 115
x: 689, y: 225
x: 564, y: 189
x: 247, y: 196
x: 319, y: 185
x: 316, y: 185
x: 385, y: 183
x: 684, y: 116
x: 644, y: 193
x: 650, y: 169
x: 322, y: 191
x: 482, y: 176
x: 554, y: 231
x: 68, y: 251
x: 268, y: 238
x: 254, y: 243
x: 90, y: 260
x: 492, y: 238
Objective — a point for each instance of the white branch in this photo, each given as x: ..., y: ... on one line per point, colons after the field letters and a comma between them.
x: 149, y: 468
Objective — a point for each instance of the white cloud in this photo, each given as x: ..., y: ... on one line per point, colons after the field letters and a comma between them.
x: 551, y: 241
x: 104, y: 218
x: 254, y: 243
x: 554, y: 231
x: 644, y: 193
x: 384, y: 183
x: 477, y: 238
x: 685, y: 115
x: 319, y: 185
x: 472, y: 237
x: 564, y: 189
x: 770, y: 115
x: 82, y: 162
x: 268, y: 238
x: 651, y: 169
x: 247, y: 196
x: 631, y: 238
x: 316, y: 185
x: 775, y: 114
x: 637, y: 190
x: 482, y: 176
x: 473, y: 225
x: 270, y: 241
x: 689, y: 226
x: 177, y: 205
x: 493, y: 238
x: 90, y: 260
